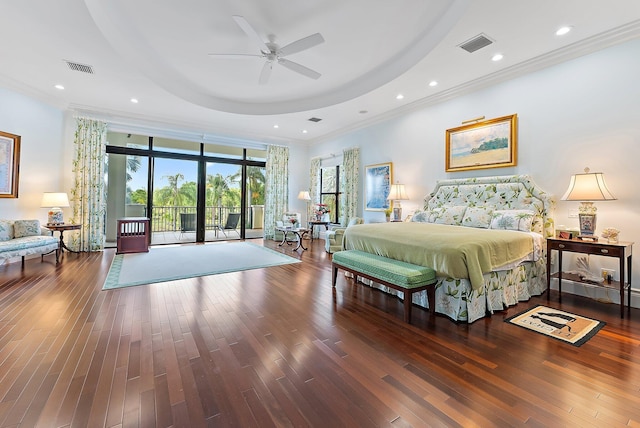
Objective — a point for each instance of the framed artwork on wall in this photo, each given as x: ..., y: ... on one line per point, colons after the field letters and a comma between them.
x: 377, y: 184
x: 488, y: 144
x: 9, y: 164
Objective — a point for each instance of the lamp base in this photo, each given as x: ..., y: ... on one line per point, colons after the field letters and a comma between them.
x: 55, y: 217
x: 587, y: 224
x: 397, y: 211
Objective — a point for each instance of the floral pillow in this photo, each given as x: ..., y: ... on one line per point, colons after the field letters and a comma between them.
x: 477, y: 217
x: 6, y: 230
x: 420, y: 217
x: 451, y: 215
x: 23, y: 228
x: 512, y: 220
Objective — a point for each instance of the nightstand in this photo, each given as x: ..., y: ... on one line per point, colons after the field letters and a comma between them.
x: 620, y: 250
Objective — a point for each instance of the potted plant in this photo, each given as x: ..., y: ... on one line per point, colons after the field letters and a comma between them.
x: 387, y: 213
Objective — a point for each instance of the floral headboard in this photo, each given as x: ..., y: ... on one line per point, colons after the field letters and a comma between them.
x: 509, y: 192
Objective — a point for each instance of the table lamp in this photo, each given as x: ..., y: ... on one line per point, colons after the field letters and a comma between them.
x: 587, y: 188
x: 397, y: 194
x: 55, y: 202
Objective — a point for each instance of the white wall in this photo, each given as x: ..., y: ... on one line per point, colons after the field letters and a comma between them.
x: 585, y: 112
x: 42, y: 151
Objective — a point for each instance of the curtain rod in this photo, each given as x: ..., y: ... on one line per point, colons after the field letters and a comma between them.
x: 333, y: 155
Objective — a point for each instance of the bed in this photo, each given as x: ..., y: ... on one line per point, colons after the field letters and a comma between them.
x: 484, y: 237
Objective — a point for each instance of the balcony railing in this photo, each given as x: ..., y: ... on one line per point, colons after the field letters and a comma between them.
x: 169, y: 218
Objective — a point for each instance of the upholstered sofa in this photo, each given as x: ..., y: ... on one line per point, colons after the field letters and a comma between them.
x: 333, y: 237
x: 21, y: 238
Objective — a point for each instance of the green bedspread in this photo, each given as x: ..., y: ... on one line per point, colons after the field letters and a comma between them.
x: 452, y: 251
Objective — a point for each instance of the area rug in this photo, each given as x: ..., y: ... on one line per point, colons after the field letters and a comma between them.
x: 170, y: 263
x: 570, y: 328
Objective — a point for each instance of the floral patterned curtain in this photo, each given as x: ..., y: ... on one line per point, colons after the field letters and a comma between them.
x: 88, y: 192
x: 350, y: 184
x: 314, y: 190
x: 277, y: 188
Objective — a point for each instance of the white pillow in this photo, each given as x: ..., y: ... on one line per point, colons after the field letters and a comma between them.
x: 451, y: 215
x: 477, y: 217
x: 512, y: 220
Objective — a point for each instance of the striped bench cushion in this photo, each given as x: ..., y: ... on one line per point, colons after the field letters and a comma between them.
x: 402, y: 274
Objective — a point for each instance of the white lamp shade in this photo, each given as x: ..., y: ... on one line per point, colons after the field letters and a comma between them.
x: 397, y: 193
x: 304, y: 195
x: 54, y: 200
x: 588, y: 187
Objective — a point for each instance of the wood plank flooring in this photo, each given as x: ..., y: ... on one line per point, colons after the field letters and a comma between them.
x: 278, y: 347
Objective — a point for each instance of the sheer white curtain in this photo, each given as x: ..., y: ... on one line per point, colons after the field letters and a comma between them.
x: 88, y: 192
x: 350, y: 184
x: 277, y: 188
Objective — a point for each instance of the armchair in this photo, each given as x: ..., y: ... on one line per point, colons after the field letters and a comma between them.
x: 333, y: 238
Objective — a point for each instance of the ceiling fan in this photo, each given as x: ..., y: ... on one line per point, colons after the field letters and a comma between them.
x: 273, y: 53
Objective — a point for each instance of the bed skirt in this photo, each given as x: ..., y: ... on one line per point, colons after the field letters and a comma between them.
x: 456, y: 299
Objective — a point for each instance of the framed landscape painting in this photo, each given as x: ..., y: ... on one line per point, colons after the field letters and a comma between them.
x: 377, y: 185
x: 487, y: 144
x: 9, y: 164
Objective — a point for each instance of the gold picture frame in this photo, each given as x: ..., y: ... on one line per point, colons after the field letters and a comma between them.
x: 488, y: 144
x: 9, y: 164
x: 377, y: 185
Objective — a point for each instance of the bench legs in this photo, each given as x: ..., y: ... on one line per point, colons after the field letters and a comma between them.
x: 408, y: 293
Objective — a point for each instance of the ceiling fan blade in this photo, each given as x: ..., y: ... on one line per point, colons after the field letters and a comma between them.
x: 294, y: 66
x: 302, y: 44
x: 265, y: 73
x: 251, y: 32
x: 235, y: 56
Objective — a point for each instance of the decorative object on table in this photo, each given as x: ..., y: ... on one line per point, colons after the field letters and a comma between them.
x: 587, y: 188
x: 565, y: 326
x: 611, y: 234
x: 305, y: 196
x: 584, y: 271
x: 377, y: 185
x: 55, y: 202
x: 387, y: 213
x: 321, y: 210
x: 485, y: 144
x: 564, y: 232
x: 9, y: 164
x: 397, y: 194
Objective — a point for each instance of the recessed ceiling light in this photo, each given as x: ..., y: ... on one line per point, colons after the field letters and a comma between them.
x: 59, y: 87
x: 497, y: 57
x: 304, y: 131
x: 562, y: 31
x: 433, y: 83
x: 399, y: 97
x: 276, y: 126
x: 134, y: 100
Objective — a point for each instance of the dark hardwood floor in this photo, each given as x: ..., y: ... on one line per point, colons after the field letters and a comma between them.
x: 280, y: 347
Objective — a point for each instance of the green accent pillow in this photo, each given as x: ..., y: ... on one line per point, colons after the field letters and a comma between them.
x: 24, y: 228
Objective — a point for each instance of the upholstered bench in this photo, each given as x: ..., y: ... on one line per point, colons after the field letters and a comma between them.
x: 401, y: 276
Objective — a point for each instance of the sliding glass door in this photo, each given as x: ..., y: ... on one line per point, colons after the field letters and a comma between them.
x: 191, y: 191
x: 175, y: 199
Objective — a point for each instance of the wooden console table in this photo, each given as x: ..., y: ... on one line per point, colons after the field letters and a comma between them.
x: 620, y: 250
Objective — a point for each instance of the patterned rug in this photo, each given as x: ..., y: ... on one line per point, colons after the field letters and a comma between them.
x: 560, y: 325
x: 173, y: 262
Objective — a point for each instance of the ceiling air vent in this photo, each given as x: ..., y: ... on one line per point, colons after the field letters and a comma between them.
x: 75, y: 66
x: 315, y: 119
x: 478, y: 42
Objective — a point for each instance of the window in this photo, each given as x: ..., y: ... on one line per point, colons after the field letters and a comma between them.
x: 330, y: 191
